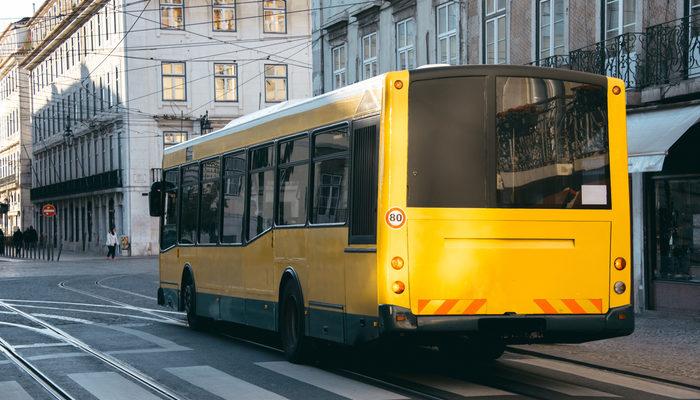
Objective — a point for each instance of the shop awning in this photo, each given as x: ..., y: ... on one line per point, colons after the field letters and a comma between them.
x: 651, y: 133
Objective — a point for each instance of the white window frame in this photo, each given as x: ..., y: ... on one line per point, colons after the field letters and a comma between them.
x: 339, y: 57
x: 447, y: 34
x: 403, y: 52
x: 222, y: 6
x: 621, y: 27
x: 172, y: 5
x: 554, y: 48
x: 229, y: 81
x: 495, y: 13
x: 272, y: 77
x: 369, y: 60
x: 271, y: 11
x: 172, y: 75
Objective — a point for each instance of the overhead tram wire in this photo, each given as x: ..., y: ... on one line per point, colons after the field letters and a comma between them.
x: 348, y: 6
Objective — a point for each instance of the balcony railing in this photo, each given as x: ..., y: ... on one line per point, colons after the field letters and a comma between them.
x: 673, y: 50
x: 93, y: 183
x: 559, y: 61
x: 618, y: 56
x: 665, y: 53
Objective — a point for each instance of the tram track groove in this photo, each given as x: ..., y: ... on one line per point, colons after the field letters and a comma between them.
x: 102, y: 285
x: 23, y: 364
x: 113, y: 362
x: 165, y: 319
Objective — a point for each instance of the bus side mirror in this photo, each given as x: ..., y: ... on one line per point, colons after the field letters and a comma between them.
x: 155, y: 200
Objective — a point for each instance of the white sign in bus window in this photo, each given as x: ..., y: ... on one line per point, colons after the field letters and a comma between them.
x: 595, y: 195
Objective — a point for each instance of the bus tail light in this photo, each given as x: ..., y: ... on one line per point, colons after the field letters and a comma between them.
x: 398, y: 287
x: 397, y: 263
x: 620, y: 263
x: 616, y: 90
x: 620, y: 287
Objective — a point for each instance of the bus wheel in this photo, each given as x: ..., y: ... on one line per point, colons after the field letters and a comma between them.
x: 296, y: 346
x: 189, y: 302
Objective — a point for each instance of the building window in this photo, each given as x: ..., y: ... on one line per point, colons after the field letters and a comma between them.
x: 369, y: 55
x: 447, y: 43
x: 174, y: 85
x: 339, y: 64
x: 275, y: 83
x: 551, y: 21
x: 171, y: 138
x: 226, y: 82
x: 495, y: 39
x: 224, y: 15
x: 619, y: 17
x: 405, y: 44
x: 172, y: 14
x: 274, y: 16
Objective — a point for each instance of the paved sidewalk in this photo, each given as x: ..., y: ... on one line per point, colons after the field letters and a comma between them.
x: 663, y: 345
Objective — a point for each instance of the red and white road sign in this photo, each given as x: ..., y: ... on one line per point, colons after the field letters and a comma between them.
x: 49, y: 210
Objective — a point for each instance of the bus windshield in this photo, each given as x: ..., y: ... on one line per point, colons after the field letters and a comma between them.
x: 550, y: 148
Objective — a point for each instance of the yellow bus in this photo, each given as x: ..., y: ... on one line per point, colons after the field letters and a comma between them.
x: 466, y: 207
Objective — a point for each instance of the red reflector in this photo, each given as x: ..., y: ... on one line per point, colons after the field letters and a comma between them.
x: 621, y: 316
x: 400, y: 317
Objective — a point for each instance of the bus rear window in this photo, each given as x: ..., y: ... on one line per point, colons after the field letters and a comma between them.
x: 551, y: 144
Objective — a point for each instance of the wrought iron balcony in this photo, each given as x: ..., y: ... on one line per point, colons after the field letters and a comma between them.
x: 665, y: 53
x: 673, y: 50
x: 558, y: 61
x: 619, y: 56
x: 93, y: 183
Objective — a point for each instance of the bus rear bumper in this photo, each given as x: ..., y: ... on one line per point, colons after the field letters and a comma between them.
x: 512, y: 328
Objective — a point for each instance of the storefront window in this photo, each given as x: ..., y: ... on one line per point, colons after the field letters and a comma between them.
x: 677, y: 206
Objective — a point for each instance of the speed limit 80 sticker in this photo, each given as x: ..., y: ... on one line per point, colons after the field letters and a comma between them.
x: 395, y: 217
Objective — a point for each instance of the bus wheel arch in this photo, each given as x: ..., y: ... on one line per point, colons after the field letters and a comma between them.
x: 188, y: 298
x: 291, y: 318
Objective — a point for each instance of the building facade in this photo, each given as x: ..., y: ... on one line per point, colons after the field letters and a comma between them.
x: 15, y: 132
x: 653, y: 45
x: 113, y: 82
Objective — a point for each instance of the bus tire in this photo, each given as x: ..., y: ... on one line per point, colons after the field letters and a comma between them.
x: 297, y: 348
x: 189, y: 303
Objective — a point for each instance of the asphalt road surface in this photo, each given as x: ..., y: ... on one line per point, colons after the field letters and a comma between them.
x: 92, y: 330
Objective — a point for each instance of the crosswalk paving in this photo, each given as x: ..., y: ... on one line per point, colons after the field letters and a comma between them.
x: 533, y: 372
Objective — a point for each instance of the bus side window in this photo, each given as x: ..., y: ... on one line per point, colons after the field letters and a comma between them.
x: 363, y: 214
x: 168, y: 234
x: 189, y: 204
x: 262, y: 190
x: 331, y: 164
x: 234, y: 195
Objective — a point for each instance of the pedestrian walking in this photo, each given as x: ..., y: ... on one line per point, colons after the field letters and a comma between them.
x: 32, y: 237
x: 2, y: 242
x: 17, y: 241
x: 111, y: 242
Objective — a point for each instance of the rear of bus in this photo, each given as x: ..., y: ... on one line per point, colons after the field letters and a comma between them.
x: 504, y: 208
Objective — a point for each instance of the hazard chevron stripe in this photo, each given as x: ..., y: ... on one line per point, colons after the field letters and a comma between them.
x: 450, y: 306
x: 570, y: 306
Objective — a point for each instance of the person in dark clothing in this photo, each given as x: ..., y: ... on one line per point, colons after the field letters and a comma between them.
x: 32, y: 237
x: 2, y: 242
x: 17, y: 240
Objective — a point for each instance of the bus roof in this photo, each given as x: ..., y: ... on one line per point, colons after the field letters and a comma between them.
x: 285, y: 109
